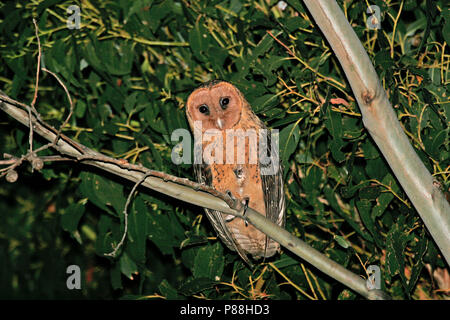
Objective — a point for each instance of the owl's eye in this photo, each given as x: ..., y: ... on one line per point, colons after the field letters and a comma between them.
x: 204, y: 109
x: 224, y: 102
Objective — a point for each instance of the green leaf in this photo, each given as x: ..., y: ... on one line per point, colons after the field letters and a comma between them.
x: 80, y: 109
x: 163, y: 232
x: 158, y: 12
x: 264, y: 45
x: 168, y: 291
x: 193, y: 240
x: 296, y: 4
x: 44, y: 5
x: 341, y: 241
x: 383, y: 199
x: 130, y: 101
x: 349, y: 192
x: 446, y: 29
x: 285, y: 261
x: 293, y: 23
x: 383, y: 58
x: 195, y: 285
x: 364, y: 209
x: 369, y: 192
x: 106, y: 236
x: 91, y: 54
x: 99, y: 190
x: 137, y: 230
x: 288, y: 119
x: 264, y: 103
x: 137, y: 6
x: 199, y: 40
x: 313, y: 180
x: 334, y: 125
x: 116, y: 279
x: 153, y: 158
x: 72, y: 216
x: 395, y: 245
x: 261, y: 48
x: 289, y: 138
x: 188, y: 256
x: 217, y: 58
x: 419, y: 251
x: 331, y: 197
x: 117, y: 60
x: 437, y: 141
x: 376, y: 168
x: 351, y: 128
x: 209, y: 262
x: 127, y: 266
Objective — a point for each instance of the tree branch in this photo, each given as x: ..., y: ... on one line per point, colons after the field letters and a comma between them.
x: 381, y: 121
x: 194, y: 193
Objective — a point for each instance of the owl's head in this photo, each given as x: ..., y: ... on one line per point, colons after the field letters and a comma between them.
x: 217, y: 104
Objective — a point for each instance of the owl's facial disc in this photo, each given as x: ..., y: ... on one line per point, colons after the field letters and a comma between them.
x: 217, y: 107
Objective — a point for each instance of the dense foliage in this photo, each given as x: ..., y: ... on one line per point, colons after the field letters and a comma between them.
x: 129, y: 69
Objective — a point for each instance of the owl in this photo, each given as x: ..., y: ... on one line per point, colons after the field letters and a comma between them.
x: 228, y: 128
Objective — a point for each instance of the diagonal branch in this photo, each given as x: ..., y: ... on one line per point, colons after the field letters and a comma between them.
x: 381, y: 121
x: 188, y: 191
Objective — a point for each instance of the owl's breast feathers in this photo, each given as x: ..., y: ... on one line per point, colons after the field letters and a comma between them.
x: 244, y: 181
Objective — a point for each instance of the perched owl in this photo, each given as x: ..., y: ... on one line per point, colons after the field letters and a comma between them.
x: 218, y: 112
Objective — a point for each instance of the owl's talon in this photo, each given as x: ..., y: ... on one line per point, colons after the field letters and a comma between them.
x: 244, y: 210
x: 229, y: 194
x: 232, y: 198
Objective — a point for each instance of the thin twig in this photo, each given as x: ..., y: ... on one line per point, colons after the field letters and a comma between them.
x: 36, y: 87
x: 36, y: 30
x: 70, y: 101
x: 30, y: 135
x: 125, y: 216
x: 282, y: 44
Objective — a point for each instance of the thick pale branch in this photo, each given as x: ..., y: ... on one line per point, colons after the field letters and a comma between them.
x: 381, y: 121
x: 191, y: 192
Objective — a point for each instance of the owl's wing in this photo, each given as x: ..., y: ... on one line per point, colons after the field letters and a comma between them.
x: 203, y: 175
x: 273, y: 186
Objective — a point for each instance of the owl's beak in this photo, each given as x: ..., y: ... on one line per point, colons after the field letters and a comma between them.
x: 219, y: 123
